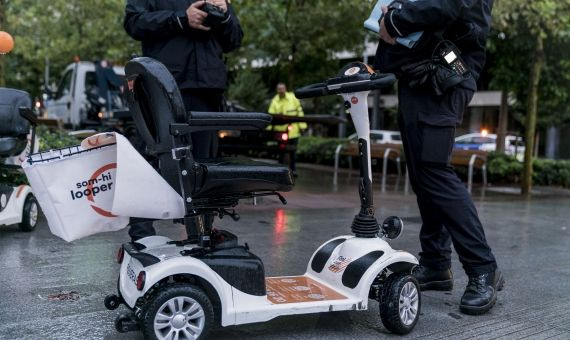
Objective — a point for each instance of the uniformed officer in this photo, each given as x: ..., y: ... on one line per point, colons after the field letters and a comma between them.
x: 427, y: 122
x: 285, y: 103
x: 177, y: 33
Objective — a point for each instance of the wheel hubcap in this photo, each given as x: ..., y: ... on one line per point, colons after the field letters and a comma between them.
x: 179, y: 318
x: 409, y: 300
x: 33, y: 214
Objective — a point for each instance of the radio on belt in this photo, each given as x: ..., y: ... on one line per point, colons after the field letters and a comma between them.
x: 450, y: 56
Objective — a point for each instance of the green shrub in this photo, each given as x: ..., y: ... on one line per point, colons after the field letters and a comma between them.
x: 506, y: 169
x: 503, y: 169
x: 55, y: 138
x: 551, y: 172
x: 318, y: 150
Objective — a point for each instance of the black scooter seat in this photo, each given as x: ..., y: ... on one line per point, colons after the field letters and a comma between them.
x: 228, y: 176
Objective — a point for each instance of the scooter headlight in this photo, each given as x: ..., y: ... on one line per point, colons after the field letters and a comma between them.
x: 392, y: 227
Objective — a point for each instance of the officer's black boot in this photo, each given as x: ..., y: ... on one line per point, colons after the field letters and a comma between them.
x: 140, y: 228
x: 433, y: 279
x: 481, y: 293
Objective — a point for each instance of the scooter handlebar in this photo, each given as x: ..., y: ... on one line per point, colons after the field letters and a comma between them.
x: 378, y: 81
x: 311, y: 91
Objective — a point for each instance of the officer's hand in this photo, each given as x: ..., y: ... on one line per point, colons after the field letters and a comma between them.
x: 196, y: 16
x: 220, y: 3
x: 384, y: 35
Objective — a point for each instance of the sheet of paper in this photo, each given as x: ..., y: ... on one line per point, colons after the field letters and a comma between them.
x: 373, y: 24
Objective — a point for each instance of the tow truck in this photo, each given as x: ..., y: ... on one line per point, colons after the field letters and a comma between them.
x: 88, y: 96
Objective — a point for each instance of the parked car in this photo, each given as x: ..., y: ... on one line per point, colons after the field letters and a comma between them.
x: 382, y: 137
x: 488, y: 142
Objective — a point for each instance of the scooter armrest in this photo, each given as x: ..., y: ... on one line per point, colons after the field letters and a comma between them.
x: 203, y: 121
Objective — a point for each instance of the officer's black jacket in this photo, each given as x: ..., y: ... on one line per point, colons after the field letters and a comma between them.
x: 194, y: 57
x: 465, y: 22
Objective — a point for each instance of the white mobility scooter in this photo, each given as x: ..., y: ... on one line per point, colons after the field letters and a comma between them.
x: 180, y: 289
x: 17, y: 139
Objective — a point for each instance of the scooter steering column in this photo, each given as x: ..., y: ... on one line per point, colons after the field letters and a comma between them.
x: 365, y: 223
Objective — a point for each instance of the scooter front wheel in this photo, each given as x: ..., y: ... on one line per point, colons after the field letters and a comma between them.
x: 400, y: 303
x: 178, y: 311
x: 30, y: 214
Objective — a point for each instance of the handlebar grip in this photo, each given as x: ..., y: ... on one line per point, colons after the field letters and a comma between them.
x: 311, y: 91
x: 385, y: 80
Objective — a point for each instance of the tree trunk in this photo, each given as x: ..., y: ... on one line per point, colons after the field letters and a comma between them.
x: 291, y: 76
x: 503, y: 122
x: 292, y: 66
x: 536, y: 144
x: 532, y: 106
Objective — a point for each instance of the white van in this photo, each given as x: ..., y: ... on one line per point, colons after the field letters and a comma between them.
x: 69, y: 102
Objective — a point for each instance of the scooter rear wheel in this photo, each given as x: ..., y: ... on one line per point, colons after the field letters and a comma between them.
x: 179, y: 311
x: 400, y: 303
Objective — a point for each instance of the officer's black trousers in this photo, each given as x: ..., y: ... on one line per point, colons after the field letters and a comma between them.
x: 427, y: 124
x: 293, y: 143
x: 204, y: 145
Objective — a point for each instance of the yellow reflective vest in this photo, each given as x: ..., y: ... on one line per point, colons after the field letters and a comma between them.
x: 288, y: 106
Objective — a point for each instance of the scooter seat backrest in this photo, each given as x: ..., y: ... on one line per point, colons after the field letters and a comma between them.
x: 154, y: 102
x: 11, y: 123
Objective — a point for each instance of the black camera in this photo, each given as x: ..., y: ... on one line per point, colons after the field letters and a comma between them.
x: 215, y: 15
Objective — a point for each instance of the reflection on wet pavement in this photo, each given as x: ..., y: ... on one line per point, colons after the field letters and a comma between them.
x: 530, y: 238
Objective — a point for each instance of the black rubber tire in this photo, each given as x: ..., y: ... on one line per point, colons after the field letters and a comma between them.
x: 390, y: 303
x: 112, y: 302
x: 26, y: 226
x: 120, y: 323
x: 167, y: 293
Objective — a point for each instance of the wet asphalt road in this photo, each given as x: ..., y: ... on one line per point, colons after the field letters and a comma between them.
x: 531, y: 240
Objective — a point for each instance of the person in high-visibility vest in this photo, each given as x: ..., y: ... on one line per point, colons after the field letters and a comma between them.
x: 285, y: 103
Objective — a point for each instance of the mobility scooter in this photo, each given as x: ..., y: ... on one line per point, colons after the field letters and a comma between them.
x: 17, y: 203
x: 180, y: 289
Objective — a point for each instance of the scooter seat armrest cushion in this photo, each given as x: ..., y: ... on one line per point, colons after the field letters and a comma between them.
x: 228, y: 120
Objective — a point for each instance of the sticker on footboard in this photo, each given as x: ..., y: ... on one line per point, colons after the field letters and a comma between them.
x: 292, y: 289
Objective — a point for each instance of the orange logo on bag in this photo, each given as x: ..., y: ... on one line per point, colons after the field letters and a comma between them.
x: 91, y: 198
x: 354, y: 100
x: 99, y: 182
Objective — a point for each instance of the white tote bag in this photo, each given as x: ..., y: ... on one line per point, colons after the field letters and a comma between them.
x: 96, y: 187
